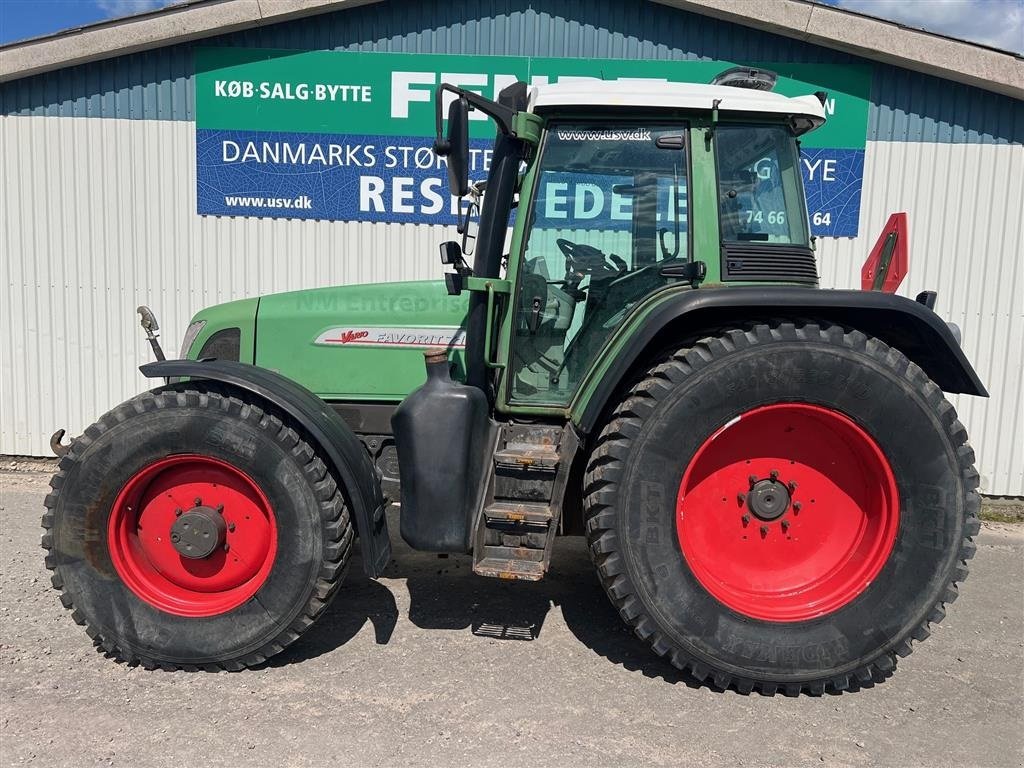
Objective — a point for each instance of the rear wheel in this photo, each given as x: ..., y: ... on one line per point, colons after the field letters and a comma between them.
x: 784, y: 507
x: 191, y: 529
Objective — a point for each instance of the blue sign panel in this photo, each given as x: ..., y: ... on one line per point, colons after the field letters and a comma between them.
x: 832, y: 183
x: 328, y: 176
x: 398, y: 179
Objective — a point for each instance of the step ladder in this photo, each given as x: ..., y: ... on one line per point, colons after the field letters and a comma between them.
x: 516, y: 530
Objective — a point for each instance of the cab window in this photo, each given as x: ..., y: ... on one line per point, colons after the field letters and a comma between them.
x: 610, y: 209
x: 760, y: 190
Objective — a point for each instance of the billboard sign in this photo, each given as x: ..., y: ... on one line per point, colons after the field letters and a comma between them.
x: 346, y: 136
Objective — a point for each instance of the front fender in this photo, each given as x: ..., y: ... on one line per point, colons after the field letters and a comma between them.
x: 339, y: 447
x: 902, y: 323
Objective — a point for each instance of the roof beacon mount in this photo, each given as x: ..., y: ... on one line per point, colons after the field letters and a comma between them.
x: 747, y: 77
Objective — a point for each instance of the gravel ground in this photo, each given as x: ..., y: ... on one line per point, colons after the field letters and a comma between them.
x: 425, y: 667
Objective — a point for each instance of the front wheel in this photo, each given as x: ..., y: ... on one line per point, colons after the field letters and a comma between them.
x: 189, y: 528
x: 783, y: 507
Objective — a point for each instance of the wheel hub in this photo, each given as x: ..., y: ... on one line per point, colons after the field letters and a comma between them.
x: 787, y: 513
x: 768, y: 499
x: 199, y: 532
x: 185, y: 556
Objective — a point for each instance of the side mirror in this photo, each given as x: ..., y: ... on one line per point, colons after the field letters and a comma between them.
x: 456, y: 146
x: 458, y: 141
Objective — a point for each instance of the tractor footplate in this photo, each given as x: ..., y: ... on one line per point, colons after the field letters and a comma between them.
x: 516, y: 531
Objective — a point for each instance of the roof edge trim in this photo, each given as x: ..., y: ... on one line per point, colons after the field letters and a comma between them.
x: 865, y: 36
x: 872, y: 38
x: 173, y: 24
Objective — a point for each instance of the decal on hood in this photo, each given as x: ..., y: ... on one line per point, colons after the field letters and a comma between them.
x: 450, y: 336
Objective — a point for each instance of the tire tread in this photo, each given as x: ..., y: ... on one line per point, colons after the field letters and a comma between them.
x: 339, y: 533
x: 605, y: 469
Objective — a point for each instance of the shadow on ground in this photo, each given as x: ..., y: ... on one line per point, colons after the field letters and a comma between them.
x: 444, y: 594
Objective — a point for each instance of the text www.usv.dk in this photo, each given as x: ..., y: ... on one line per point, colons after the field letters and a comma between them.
x: 302, y: 202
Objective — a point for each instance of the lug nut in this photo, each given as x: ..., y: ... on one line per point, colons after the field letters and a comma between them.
x: 175, y: 538
x: 785, y: 525
x: 774, y: 475
x: 227, y: 547
x: 752, y: 479
x: 741, y: 497
x: 746, y: 520
x: 764, y: 531
x: 198, y: 501
x: 231, y: 527
x: 220, y: 509
x: 177, y: 513
x: 792, y: 486
x: 796, y: 506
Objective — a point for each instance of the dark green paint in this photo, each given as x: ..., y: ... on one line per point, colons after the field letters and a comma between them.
x: 288, y: 325
x: 280, y: 331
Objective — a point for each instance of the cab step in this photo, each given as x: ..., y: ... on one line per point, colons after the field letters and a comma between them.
x: 518, y: 513
x: 542, y: 457
x: 503, y: 567
x: 516, y: 531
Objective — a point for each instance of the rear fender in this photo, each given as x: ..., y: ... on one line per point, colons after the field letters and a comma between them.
x: 339, y: 447
x: 907, y: 325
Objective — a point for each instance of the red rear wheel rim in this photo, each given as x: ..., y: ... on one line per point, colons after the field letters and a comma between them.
x: 788, y: 512
x: 172, y: 491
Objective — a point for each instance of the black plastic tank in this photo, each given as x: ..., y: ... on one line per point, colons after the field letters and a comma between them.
x: 444, y: 440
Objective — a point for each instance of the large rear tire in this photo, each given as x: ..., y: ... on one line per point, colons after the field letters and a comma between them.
x: 783, y: 507
x: 191, y: 529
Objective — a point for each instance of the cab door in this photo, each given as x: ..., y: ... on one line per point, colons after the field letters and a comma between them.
x: 606, y: 209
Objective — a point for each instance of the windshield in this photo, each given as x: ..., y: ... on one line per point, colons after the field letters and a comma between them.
x: 609, y: 211
x: 760, y: 191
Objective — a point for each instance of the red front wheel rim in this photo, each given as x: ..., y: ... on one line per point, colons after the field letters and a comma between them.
x: 788, y: 512
x: 192, y: 536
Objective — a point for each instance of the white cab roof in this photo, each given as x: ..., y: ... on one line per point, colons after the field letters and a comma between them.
x: 661, y: 94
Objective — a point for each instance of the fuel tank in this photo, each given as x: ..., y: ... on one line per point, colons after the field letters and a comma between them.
x: 444, y: 440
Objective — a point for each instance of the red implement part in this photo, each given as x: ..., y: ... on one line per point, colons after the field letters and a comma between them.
x: 887, y: 264
x: 142, y: 532
x: 788, y: 512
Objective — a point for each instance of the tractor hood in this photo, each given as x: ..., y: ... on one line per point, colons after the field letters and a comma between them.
x: 362, y: 342
x: 224, y: 331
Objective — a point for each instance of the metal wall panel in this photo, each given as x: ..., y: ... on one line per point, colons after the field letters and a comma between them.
x: 157, y: 84
x: 99, y: 216
x: 964, y: 204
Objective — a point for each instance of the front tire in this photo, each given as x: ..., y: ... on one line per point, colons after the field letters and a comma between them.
x: 783, y: 507
x: 189, y: 528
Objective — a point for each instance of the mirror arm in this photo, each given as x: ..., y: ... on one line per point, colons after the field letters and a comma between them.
x: 709, y: 132
x: 501, y: 114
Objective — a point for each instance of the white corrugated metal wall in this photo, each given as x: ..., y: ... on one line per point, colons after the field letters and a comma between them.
x: 98, y: 216
x: 965, y: 205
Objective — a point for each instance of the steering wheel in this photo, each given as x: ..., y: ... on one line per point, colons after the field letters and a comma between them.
x: 582, y: 260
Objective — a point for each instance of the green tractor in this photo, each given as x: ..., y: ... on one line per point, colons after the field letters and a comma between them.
x: 775, y: 493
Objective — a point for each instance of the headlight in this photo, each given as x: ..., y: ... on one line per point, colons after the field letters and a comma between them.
x: 190, y: 337
x: 225, y: 344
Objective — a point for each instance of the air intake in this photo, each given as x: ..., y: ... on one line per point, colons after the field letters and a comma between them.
x: 747, y: 77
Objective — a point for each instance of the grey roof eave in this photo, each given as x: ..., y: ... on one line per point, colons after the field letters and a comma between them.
x: 873, y: 39
x: 178, y: 23
x: 864, y: 36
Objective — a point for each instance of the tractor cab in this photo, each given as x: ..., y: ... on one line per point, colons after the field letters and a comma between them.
x: 609, y: 224
x: 629, y: 189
